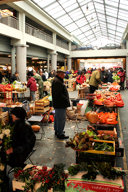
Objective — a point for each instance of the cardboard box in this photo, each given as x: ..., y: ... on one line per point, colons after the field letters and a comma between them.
x: 76, y: 184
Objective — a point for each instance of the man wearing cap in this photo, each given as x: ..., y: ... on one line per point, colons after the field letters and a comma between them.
x: 61, y: 101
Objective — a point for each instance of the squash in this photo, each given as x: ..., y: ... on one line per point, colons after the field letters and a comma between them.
x: 35, y: 128
x: 92, y: 117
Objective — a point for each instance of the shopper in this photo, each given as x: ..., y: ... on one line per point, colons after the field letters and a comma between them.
x: 32, y: 86
x: 15, y: 77
x: 104, y: 75
x: 110, y: 75
x: 23, y: 138
x: 81, y: 78
x: 121, y: 74
x: 95, y: 80
x: 40, y: 83
x: 60, y: 103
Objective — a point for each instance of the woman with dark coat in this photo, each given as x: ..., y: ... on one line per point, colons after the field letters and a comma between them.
x: 23, y: 138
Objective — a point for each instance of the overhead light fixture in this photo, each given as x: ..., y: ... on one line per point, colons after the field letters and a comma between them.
x: 87, y: 7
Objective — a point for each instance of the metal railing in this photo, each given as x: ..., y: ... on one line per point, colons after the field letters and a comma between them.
x: 38, y: 33
x: 62, y: 44
x: 10, y: 21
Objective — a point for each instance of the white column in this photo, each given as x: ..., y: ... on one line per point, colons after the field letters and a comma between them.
x: 54, y: 61
x: 70, y: 46
x: 22, y: 22
x: 13, y: 62
x: 54, y: 38
x: 48, y: 62
x: 69, y: 63
x: 21, y: 62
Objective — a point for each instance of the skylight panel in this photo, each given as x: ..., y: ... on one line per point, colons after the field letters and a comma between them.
x: 113, y: 3
x: 118, y: 34
x: 121, y: 30
x: 65, y: 20
x: 124, y: 2
x: 88, y: 32
x: 81, y: 22
x: 58, y: 13
x: 71, y: 7
x: 45, y: 3
x: 77, y: 32
x: 81, y: 36
x: 71, y: 27
x: 111, y: 31
x: 85, y: 28
x: 110, y: 26
x: 52, y: 6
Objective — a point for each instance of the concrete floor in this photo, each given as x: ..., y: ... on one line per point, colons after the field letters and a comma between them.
x: 50, y: 150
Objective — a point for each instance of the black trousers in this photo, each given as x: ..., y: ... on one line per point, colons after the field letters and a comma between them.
x: 92, y: 89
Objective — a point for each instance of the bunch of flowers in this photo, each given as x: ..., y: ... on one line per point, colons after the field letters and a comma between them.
x: 5, y: 145
x: 43, y: 178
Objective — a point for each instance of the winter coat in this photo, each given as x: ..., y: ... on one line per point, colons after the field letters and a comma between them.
x: 104, y: 76
x: 95, y: 79
x: 32, y: 84
x: 121, y: 75
x: 110, y: 75
x: 60, y: 95
x: 39, y: 80
x: 23, y: 141
x: 80, y: 79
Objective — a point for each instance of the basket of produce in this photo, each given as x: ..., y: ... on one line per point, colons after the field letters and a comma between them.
x: 82, y: 142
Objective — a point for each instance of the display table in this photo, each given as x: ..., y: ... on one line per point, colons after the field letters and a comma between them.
x: 75, y: 184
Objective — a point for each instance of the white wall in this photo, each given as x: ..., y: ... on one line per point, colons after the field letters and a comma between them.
x: 99, y: 53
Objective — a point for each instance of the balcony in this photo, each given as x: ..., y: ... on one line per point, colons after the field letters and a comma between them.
x: 10, y: 21
x: 62, y: 44
x: 38, y: 33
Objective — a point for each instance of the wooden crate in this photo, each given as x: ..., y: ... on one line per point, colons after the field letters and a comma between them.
x: 101, y: 152
x: 42, y: 110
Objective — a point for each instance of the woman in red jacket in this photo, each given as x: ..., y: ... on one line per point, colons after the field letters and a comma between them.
x: 32, y: 86
x: 121, y: 74
x: 81, y: 78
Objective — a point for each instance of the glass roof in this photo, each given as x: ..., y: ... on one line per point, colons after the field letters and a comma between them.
x: 93, y: 22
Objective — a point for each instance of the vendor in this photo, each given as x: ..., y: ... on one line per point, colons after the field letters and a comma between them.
x: 81, y: 78
x: 23, y: 138
x: 95, y: 80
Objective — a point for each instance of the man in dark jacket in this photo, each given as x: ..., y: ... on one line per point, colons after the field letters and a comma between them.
x: 23, y: 138
x: 60, y: 103
x: 104, y: 75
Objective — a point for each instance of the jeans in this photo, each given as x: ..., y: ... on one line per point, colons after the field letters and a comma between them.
x: 32, y: 95
x: 59, y: 120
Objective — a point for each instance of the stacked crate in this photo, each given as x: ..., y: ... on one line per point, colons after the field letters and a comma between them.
x: 70, y: 84
x: 42, y: 105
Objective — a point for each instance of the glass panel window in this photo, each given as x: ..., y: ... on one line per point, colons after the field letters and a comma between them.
x: 85, y: 28
x: 65, y: 20
x: 70, y: 8
x: 121, y: 30
x: 81, y: 36
x: 77, y: 32
x: 71, y: 27
x: 58, y: 14
x: 53, y: 6
x: 81, y: 22
x: 45, y: 3
x: 113, y: 3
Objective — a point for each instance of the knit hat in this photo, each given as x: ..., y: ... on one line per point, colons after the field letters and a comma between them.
x: 19, y: 112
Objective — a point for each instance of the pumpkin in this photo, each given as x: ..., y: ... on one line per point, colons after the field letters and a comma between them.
x: 35, y: 128
x: 92, y: 117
